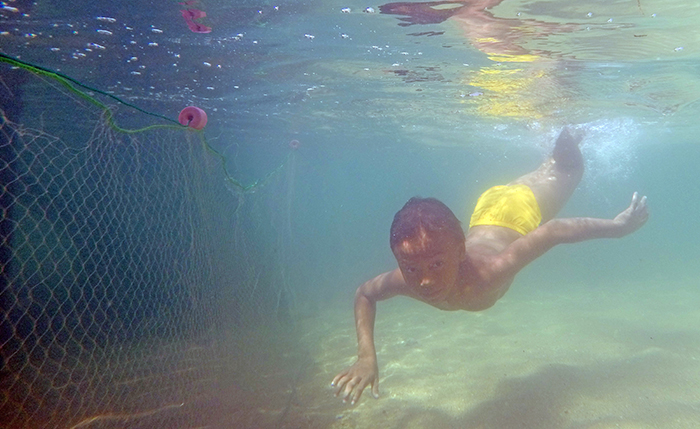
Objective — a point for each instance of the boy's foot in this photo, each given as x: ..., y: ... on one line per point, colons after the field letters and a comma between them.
x: 566, y: 153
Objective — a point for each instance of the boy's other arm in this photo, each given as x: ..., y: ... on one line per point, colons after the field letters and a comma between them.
x: 571, y: 230
x: 353, y: 380
x: 382, y: 287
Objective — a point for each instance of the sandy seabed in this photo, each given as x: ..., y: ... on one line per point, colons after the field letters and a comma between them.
x: 626, y: 356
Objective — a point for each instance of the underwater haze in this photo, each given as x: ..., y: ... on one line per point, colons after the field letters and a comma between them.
x: 234, y: 306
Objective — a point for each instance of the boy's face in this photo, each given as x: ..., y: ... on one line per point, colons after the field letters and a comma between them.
x: 430, y: 264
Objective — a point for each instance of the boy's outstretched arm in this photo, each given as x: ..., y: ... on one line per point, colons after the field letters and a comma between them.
x: 352, y: 381
x: 571, y: 230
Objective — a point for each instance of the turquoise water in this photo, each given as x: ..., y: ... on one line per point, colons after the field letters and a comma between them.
x: 599, y: 334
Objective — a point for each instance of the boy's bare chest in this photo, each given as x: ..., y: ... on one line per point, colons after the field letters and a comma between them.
x: 477, y: 288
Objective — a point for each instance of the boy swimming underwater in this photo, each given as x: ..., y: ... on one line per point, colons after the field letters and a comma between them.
x: 512, y: 225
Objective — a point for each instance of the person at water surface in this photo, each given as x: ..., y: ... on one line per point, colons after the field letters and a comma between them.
x: 511, y: 226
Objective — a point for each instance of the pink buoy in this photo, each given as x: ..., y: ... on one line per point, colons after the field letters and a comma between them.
x: 190, y: 15
x: 193, y: 117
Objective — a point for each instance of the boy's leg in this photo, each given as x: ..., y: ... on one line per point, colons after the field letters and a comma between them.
x: 556, y: 179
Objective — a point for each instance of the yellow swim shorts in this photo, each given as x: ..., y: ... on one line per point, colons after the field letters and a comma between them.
x: 513, y: 207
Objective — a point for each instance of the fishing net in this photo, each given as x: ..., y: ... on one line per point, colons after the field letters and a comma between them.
x: 136, y: 271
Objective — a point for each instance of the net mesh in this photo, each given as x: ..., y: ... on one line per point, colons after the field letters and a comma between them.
x: 130, y: 268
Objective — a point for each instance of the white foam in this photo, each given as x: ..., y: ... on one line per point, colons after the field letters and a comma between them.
x: 609, y: 149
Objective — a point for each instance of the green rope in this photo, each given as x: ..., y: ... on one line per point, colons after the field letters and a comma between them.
x: 69, y: 83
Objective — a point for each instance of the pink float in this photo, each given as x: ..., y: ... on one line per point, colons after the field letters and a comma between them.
x: 190, y: 15
x: 193, y: 117
x: 193, y: 14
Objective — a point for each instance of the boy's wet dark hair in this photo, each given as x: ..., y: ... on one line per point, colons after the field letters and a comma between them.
x: 423, y: 214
